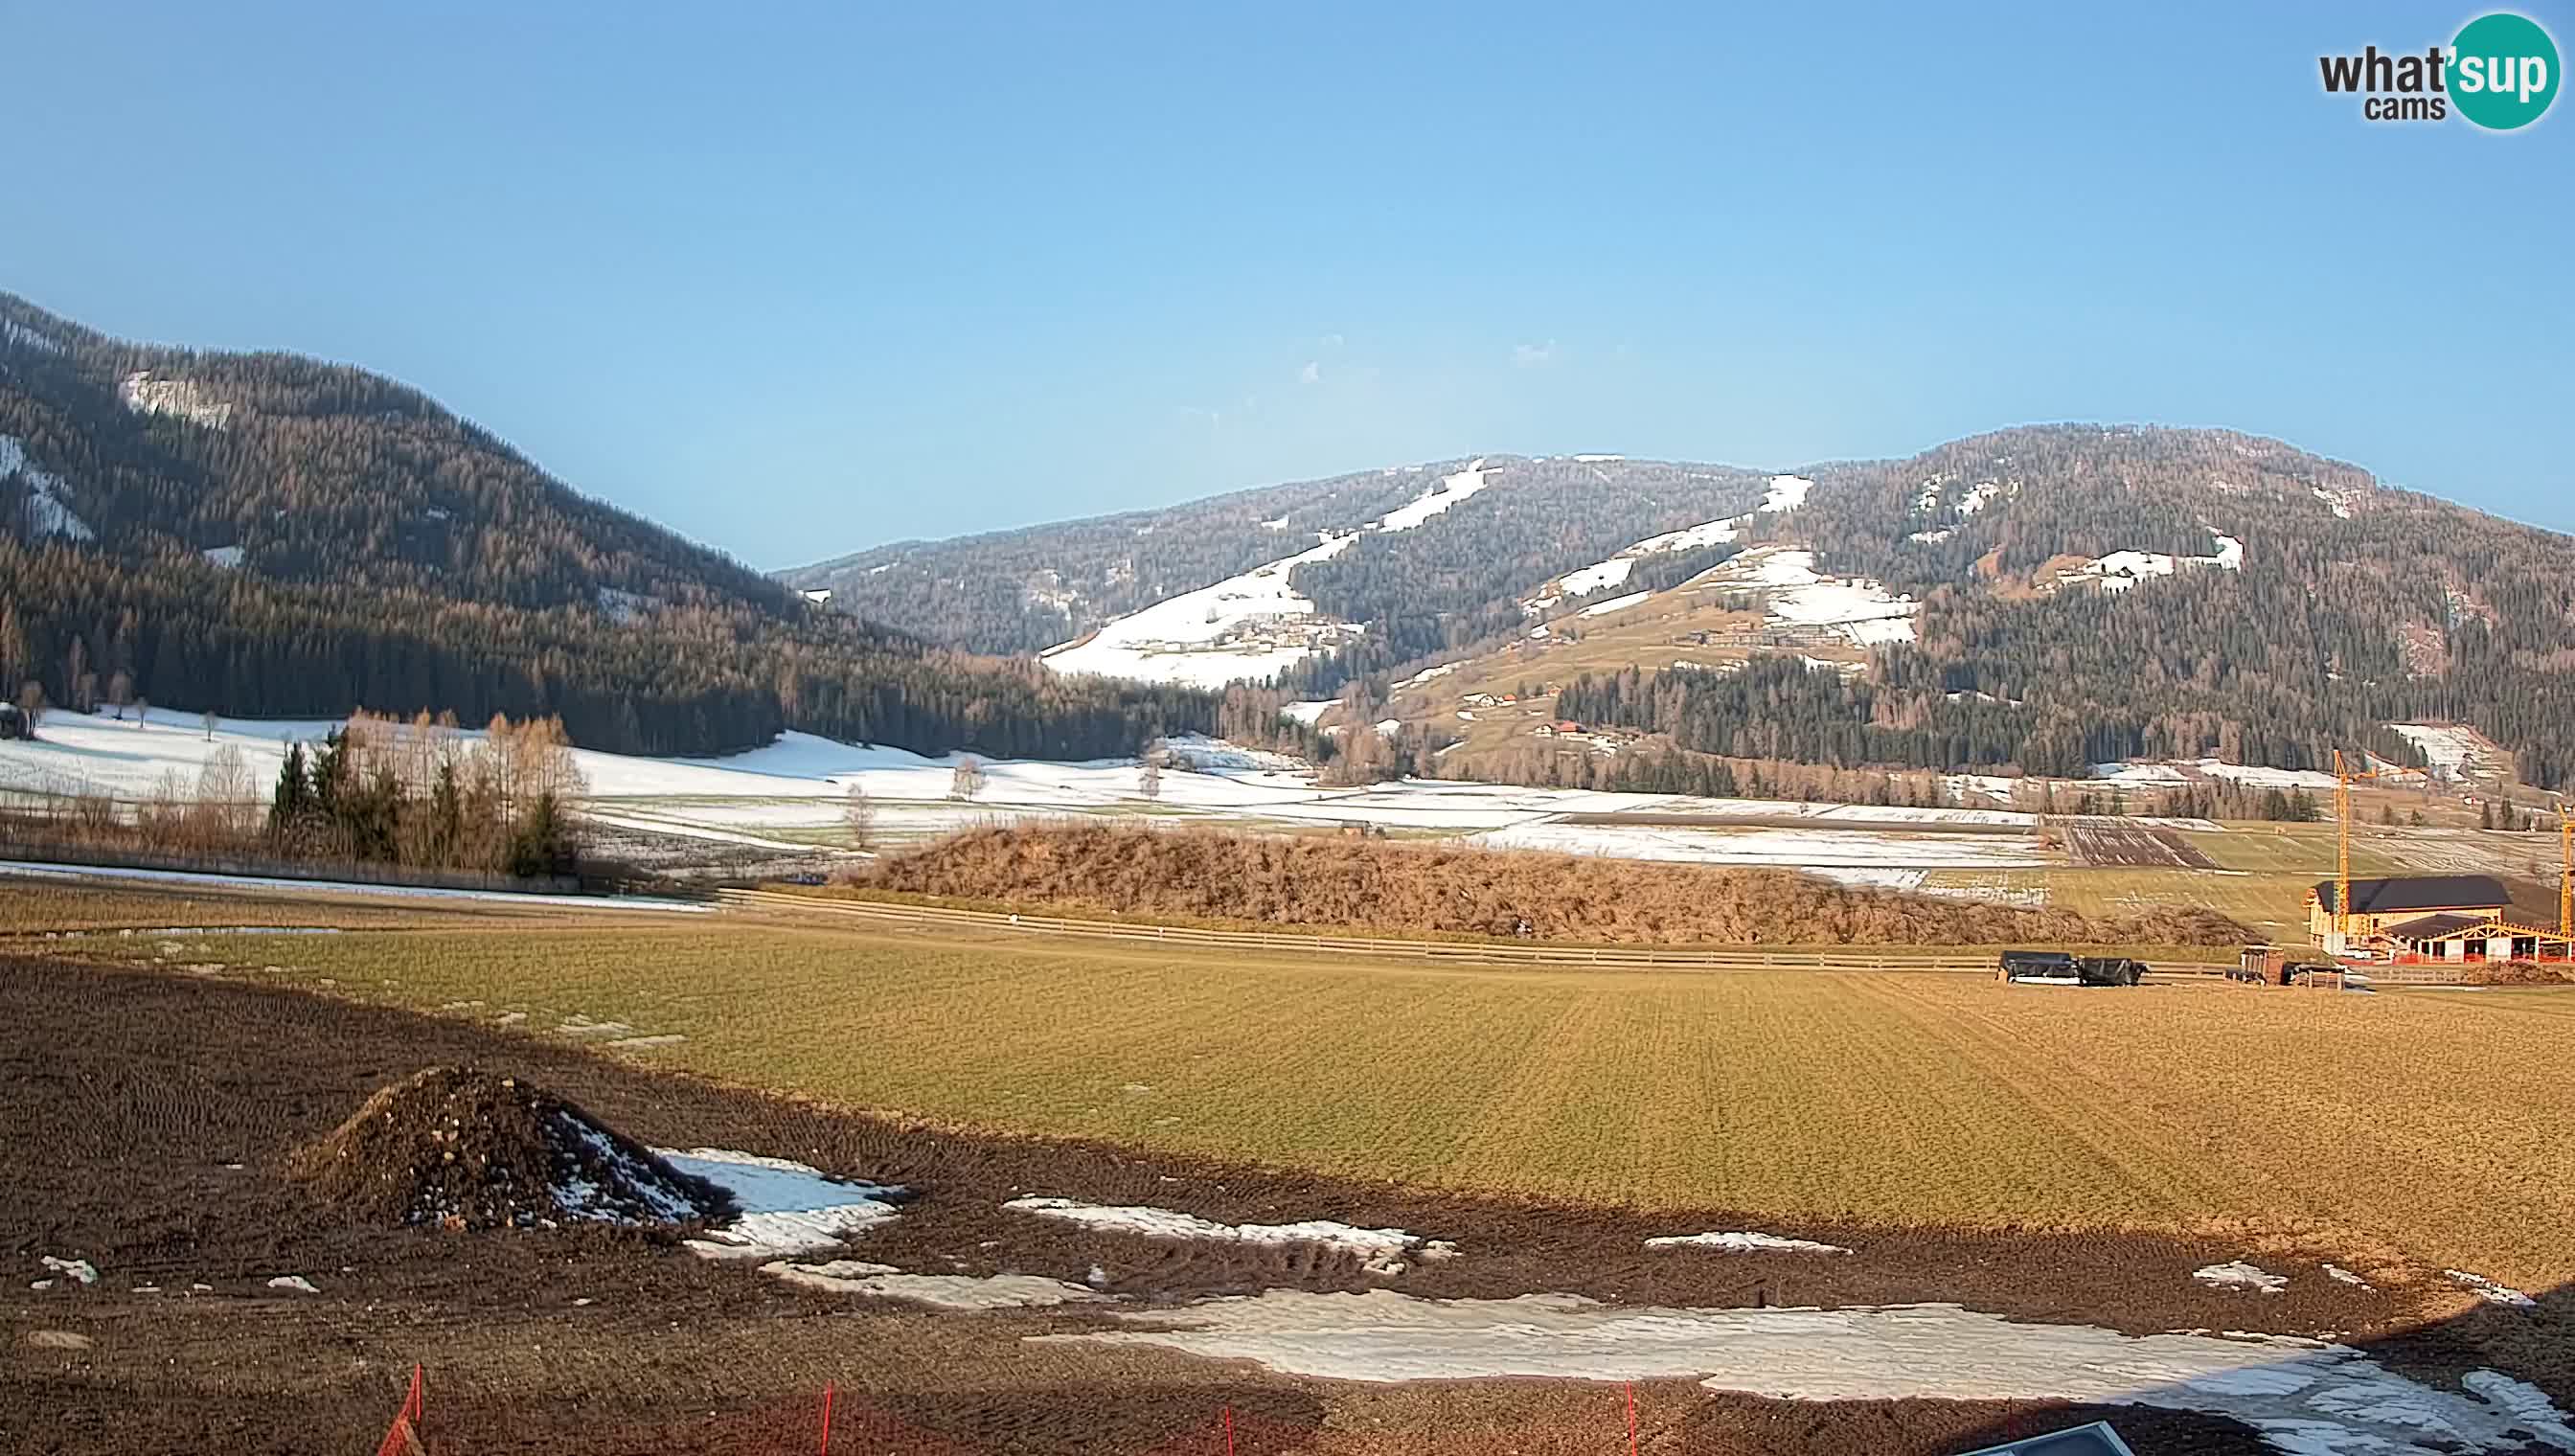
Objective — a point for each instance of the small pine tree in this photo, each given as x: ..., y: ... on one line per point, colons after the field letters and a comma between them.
x: 293, y: 802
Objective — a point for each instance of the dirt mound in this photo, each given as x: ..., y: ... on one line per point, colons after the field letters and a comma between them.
x: 1210, y: 876
x: 468, y: 1149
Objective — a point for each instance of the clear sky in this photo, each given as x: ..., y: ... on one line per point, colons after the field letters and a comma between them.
x: 800, y: 280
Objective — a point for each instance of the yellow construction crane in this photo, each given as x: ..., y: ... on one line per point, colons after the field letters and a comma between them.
x: 2344, y: 777
x: 2566, y: 876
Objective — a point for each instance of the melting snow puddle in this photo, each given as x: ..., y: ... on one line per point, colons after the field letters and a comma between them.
x: 948, y: 1291
x: 580, y: 1025
x: 79, y: 1271
x: 195, y: 930
x: 788, y: 1208
x: 2241, y: 1276
x: 1383, y: 1250
x: 1745, y: 1244
x: 2490, y: 1291
x: 2307, y: 1398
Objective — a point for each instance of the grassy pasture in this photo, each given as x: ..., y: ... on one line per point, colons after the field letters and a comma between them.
x: 2430, y: 1122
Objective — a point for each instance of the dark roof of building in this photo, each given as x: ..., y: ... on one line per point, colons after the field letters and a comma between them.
x: 2435, y: 928
x: 2419, y: 893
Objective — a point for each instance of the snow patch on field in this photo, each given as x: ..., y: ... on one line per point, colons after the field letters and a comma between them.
x: 2261, y: 777
x: 1595, y: 577
x: 2315, y: 1399
x: 1779, y: 849
x: 407, y: 891
x: 2182, y: 776
x: 2447, y: 747
x: 79, y: 1271
x: 1381, y: 1250
x: 1309, y: 710
x: 1858, y: 610
x: 227, y: 556
x: 1745, y: 1243
x: 788, y: 1208
x: 2241, y: 1276
x: 2490, y: 1291
x: 948, y: 1291
x: 1615, y: 604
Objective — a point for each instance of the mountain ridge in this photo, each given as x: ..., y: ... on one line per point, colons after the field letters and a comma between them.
x: 2270, y: 600
x: 277, y: 536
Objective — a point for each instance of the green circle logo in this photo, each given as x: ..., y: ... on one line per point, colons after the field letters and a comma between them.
x: 2503, y: 71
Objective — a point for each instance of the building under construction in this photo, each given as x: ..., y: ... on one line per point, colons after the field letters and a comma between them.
x: 2450, y: 918
x: 2459, y: 917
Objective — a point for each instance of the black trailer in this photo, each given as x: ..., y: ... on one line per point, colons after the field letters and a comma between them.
x: 2058, y: 967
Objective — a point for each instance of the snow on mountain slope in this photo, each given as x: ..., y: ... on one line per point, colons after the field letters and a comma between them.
x: 2450, y: 748
x: 1615, y: 604
x: 51, y: 515
x: 2121, y: 569
x: 1787, y: 493
x: 1602, y: 575
x: 1245, y: 627
x: 1858, y: 610
x: 1449, y: 491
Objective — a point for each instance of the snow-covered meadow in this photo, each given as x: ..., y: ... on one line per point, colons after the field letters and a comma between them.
x: 796, y: 793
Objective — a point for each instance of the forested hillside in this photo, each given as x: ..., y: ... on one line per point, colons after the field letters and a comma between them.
x: 273, y: 535
x: 2080, y: 593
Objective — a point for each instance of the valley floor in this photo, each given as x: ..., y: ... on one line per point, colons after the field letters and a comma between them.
x: 2092, y: 1168
x: 784, y: 811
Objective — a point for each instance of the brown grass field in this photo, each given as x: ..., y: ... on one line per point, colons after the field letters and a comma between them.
x: 2050, y: 1155
x: 153, y: 1118
x: 2418, y: 1122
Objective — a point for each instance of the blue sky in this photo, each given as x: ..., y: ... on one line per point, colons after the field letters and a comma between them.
x: 819, y: 278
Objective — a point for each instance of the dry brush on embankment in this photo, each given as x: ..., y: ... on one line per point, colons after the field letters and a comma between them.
x: 1374, y: 885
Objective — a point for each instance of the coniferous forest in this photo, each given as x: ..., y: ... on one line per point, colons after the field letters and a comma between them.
x: 269, y: 535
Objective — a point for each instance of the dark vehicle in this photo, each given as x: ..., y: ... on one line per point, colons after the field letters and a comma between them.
x: 2112, y: 970
x: 2056, y: 967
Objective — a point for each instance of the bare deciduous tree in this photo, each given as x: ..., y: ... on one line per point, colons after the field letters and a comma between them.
x: 860, y: 814
x: 967, y: 781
